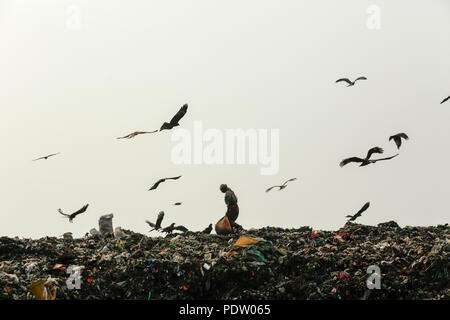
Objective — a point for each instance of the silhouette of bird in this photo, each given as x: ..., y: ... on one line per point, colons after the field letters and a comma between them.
x: 366, y: 160
x: 358, y: 214
x: 445, y: 100
x: 398, y: 138
x: 350, y: 83
x: 46, y: 157
x: 134, y: 134
x: 176, y: 118
x: 208, y: 229
x: 162, y: 180
x: 73, y: 215
x: 169, y: 229
x: 181, y: 228
x: 157, y: 225
x: 284, y: 185
x: 177, y: 203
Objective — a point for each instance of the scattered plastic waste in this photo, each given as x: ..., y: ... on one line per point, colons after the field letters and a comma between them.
x: 268, y: 263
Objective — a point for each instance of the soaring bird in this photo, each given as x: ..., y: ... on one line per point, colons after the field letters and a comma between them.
x: 46, y: 157
x: 284, y: 185
x: 73, y: 215
x: 398, y: 138
x: 208, y: 229
x: 177, y: 203
x: 366, y: 160
x: 169, y: 229
x: 358, y: 214
x: 176, y: 118
x: 445, y: 100
x: 162, y: 180
x: 350, y: 83
x: 157, y: 225
x: 134, y: 134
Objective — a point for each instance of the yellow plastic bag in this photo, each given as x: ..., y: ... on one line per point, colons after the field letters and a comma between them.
x: 43, y: 290
x: 244, y: 241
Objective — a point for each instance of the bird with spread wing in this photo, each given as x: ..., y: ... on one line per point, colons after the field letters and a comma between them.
x: 284, y: 185
x: 398, y: 138
x: 445, y: 100
x: 134, y: 134
x: 162, y: 180
x: 157, y: 225
x: 359, y: 213
x: 46, y: 157
x: 365, y: 161
x: 73, y: 215
x: 181, y: 228
x: 169, y: 229
x: 176, y: 118
x: 350, y: 83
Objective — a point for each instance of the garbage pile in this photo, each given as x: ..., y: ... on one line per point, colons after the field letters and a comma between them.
x: 267, y: 263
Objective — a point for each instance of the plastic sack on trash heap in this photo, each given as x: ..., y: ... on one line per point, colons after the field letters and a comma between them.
x: 243, y: 241
x: 223, y: 226
x: 105, y: 223
x: 43, y: 290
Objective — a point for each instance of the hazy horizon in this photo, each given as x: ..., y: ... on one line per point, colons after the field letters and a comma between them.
x: 129, y: 66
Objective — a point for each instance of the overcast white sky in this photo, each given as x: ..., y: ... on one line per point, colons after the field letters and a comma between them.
x: 238, y: 64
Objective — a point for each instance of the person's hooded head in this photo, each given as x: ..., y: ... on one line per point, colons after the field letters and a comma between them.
x: 223, y: 188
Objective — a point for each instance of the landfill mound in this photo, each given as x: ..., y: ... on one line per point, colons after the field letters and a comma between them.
x: 268, y: 263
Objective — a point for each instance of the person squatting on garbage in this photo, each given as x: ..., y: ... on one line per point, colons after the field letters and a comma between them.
x: 231, y: 202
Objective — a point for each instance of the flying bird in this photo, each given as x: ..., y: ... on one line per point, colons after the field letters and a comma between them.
x: 46, y: 157
x: 162, y: 180
x: 169, y: 229
x: 157, y: 225
x: 445, y: 100
x: 398, y: 138
x: 366, y: 160
x: 350, y: 83
x: 177, y: 203
x: 358, y: 214
x: 176, y: 118
x: 73, y: 215
x: 134, y: 134
x: 284, y: 185
x: 208, y: 229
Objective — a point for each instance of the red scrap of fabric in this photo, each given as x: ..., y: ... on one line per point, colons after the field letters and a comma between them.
x: 343, y: 275
x: 312, y: 235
